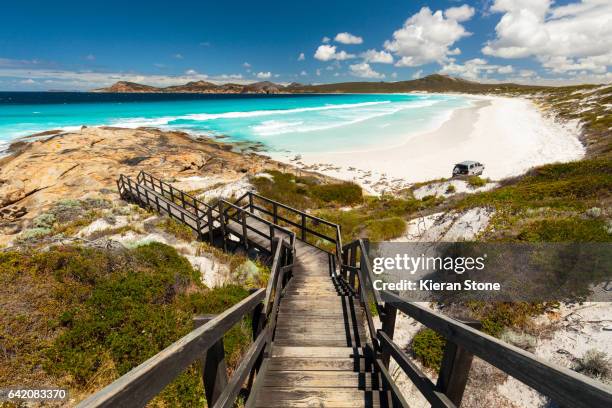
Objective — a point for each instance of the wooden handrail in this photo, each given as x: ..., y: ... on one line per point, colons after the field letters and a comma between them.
x: 337, y: 240
x: 563, y: 386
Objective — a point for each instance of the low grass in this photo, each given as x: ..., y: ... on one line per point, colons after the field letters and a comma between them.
x: 81, y: 317
x: 475, y: 181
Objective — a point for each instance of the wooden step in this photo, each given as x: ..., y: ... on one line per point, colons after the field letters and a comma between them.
x: 324, y: 352
x: 276, y: 397
x: 323, y: 379
x: 360, y: 364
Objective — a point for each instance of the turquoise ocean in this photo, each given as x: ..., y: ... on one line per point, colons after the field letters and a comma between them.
x: 295, y: 123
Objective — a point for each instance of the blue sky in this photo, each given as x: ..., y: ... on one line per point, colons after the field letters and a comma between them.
x: 83, y: 45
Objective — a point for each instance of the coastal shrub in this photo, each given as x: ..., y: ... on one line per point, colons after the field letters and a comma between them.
x: 450, y: 189
x: 34, y: 233
x: 565, y: 230
x: 45, y: 220
x: 595, y: 364
x: 306, y: 192
x: 573, y: 185
x: 497, y: 316
x: 428, y: 347
x: 94, y: 314
x: 178, y: 229
x: 475, y: 181
x: 341, y: 193
x: 385, y: 228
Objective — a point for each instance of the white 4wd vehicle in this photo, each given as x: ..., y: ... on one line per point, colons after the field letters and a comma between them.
x: 468, y: 168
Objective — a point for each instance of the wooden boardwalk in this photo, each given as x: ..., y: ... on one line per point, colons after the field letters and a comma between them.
x: 318, y: 356
x: 315, y: 341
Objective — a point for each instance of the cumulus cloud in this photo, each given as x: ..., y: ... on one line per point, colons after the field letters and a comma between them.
x: 380, y: 57
x: 574, y: 37
x: 462, y: 13
x: 364, y: 70
x: 417, y: 74
x: 428, y: 37
x: 348, y: 38
x: 475, y: 68
x: 178, y: 56
x: 264, y: 75
x: 303, y: 73
x: 328, y: 53
x: 301, y: 57
x: 90, y: 57
x: 191, y: 72
x: 246, y: 65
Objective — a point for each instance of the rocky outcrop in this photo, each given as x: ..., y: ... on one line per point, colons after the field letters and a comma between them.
x: 86, y: 163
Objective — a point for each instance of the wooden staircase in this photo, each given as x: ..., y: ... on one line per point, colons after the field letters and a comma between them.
x: 315, y: 343
x: 319, y: 355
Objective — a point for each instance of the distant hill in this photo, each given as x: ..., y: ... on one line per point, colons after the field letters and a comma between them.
x: 431, y: 83
x: 195, y: 87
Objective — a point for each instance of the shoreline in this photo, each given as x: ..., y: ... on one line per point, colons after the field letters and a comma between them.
x: 508, y: 135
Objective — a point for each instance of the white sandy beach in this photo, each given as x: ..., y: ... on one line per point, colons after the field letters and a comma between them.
x: 507, y: 135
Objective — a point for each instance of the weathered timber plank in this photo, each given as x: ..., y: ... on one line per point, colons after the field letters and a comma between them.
x: 322, y: 379
x: 327, y: 352
x: 319, y: 364
x: 272, y: 397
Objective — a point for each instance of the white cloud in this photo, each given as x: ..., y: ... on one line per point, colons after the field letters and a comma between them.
x: 28, y: 81
x: 475, y: 68
x: 191, y: 72
x: 230, y: 76
x: 303, y: 73
x: 301, y: 57
x: 246, y: 65
x: 417, y: 74
x: 380, y: 57
x: 325, y: 40
x: 348, y: 38
x: 461, y: 13
x: 527, y: 73
x: 318, y: 72
x: 394, y: 75
x: 87, y: 80
x: 90, y: 57
x: 363, y: 70
x: 328, y: 53
x: 427, y: 37
x: 264, y: 75
x: 575, y: 37
x: 178, y: 56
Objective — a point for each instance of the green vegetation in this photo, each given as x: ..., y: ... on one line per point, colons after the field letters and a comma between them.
x: 178, y: 229
x: 428, y: 347
x: 91, y: 315
x: 595, y: 364
x: 450, y: 189
x: 550, y: 203
x: 306, y: 192
x: 379, y: 218
x: 496, y: 316
x: 475, y: 181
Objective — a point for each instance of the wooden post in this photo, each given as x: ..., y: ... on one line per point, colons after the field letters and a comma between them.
x: 275, y: 213
x: 245, y: 240
x: 210, y: 225
x: 222, y: 220
x: 388, y: 326
x: 251, y: 203
x: 214, y: 369
x: 353, y: 262
x: 455, y: 369
x: 303, y: 232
